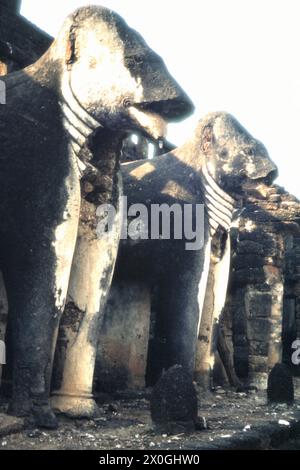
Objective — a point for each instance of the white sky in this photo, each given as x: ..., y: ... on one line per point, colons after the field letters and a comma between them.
x: 240, y: 56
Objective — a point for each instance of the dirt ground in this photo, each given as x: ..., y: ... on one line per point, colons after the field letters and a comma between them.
x: 125, y: 423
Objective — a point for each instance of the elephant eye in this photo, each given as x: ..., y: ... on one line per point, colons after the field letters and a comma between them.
x: 134, y: 60
x: 127, y: 102
x: 138, y: 59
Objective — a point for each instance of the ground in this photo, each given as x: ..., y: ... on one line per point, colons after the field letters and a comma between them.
x: 235, y: 421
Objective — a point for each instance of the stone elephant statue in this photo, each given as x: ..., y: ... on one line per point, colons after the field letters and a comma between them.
x: 98, y: 81
x: 215, y: 168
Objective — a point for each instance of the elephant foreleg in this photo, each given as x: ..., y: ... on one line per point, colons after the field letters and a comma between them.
x: 37, y: 276
x: 90, y: 280
x: 179, y: 310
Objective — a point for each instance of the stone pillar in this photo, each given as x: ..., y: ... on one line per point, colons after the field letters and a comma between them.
x: 123, y: 342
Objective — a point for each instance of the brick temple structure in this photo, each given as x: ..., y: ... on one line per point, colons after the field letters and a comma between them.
x: 261, y: 311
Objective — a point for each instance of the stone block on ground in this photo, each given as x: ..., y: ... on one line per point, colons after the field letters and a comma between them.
x: 173, y: 403
x: 280, y: 384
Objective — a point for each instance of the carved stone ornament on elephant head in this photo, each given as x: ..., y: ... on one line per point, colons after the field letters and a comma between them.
x: 98, y: 78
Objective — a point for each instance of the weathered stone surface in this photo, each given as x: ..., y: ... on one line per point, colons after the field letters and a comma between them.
x: 270, y: 211
x: 168, y: 179
x: 12, y: 5
x: 258, y: 363
x: 258, y: 329
x: 239, y: 317
x: 36, y: 124
x: 258, y: 304
x: 246, y: 261
x: 257, y: 379
x: 250, y: 247
x: 289, y: 327
x: 296, y: 289
x: 174, y: 400
x: 280, y: 384
x: 267, y: 230
x: 242, y: 277
x: 256, y: 235
x: 241, y: 360
x: 123, y: 341
x: 10, y: 424
x: 259, y: 348
x: 240, y: 339
x: 273, y: 274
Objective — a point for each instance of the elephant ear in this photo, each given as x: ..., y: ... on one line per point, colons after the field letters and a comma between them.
x: 218, y: 204
x: 219, y: 207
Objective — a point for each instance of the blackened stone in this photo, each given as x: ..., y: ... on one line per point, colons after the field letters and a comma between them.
x: 245, y: 261
x: 200, y: 423
x: 26, y: 42
x: 258, y: 348
x: 241, y: 361
x: 258, y: 363
x: 241, y: 277
x: 280, y: 384
x: 12, y: 5
x: 259, y: 305
x: 250, y: 247
x: 256, y: 236
x: 258, y: 328
x: 173, y: 402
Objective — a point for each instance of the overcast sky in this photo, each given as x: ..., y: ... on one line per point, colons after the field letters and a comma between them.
x: 240, y: 56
